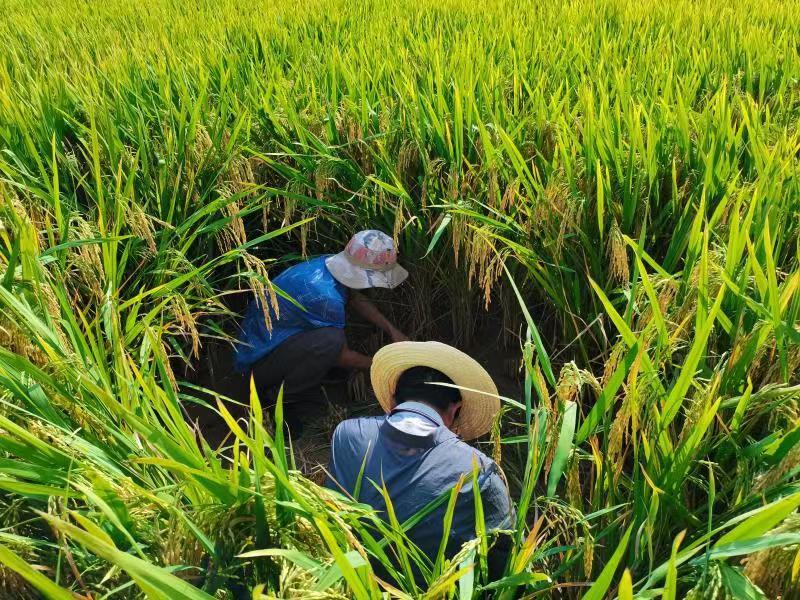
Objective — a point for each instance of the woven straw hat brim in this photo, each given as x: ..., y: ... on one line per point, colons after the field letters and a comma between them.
x: 359, y: 278
x: 480, y: 402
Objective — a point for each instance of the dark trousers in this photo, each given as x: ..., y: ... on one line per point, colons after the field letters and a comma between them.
x: 299, y: 364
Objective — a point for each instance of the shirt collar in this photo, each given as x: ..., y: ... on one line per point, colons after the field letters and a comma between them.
x: 420, y: 408
x: 394, y: 429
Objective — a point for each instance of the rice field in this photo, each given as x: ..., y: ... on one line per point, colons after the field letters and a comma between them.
x: 608, y: 192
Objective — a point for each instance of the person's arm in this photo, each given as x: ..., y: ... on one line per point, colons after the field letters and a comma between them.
x: 370, y: 312
x: 350, y: 359
x: 499, y: 518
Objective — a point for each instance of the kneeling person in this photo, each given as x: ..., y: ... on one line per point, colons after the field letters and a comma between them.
x: 307, y: 336
x: 416, y: 449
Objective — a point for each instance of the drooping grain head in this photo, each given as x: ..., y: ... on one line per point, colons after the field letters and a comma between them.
x: 618, y: 255
x: 772, y: 570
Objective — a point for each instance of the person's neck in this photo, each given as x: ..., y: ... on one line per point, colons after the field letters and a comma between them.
x: 429, y: 406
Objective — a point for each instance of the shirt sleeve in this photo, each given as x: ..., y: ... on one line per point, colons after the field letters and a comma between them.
x: 332, y: 469
x: 498, y: 511
x: 499, y: 515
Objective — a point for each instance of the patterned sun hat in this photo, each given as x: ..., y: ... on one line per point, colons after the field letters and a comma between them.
x: 369, y: 260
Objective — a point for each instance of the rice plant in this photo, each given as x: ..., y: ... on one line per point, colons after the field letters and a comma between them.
x: 615, y: 185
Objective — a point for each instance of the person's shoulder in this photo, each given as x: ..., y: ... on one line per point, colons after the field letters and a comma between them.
x: 309, y: 275
x: 304, y: 266
x: 357, y: 427
x: 318, y: 275
x: 320, y: 260
x: 469, y: 453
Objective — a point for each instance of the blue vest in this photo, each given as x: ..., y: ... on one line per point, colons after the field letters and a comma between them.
x: 321, y: 299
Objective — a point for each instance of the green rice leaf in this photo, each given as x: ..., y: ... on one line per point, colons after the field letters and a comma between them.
x: 603, y: 583
x: 564, y: 447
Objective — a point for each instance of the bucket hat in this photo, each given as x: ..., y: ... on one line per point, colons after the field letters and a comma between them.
x: 369, y: 260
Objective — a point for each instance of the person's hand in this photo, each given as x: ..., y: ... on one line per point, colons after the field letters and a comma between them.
x: 398, y: 336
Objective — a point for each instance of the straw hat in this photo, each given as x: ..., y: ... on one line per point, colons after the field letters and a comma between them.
x: 479, y: 398
x: 368, y: 261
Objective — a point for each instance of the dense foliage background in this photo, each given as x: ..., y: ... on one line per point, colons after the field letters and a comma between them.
x: 619, y: 182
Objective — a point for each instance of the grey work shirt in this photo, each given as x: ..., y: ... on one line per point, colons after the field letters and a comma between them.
x: 418, y: 459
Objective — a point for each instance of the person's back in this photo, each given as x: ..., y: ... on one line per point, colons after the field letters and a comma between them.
x: 317, y: 301
x: 418, y: 464
x: 414, y: 451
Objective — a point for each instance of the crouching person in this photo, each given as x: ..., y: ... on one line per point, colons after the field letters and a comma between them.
x: 307, y: 336
x: 416, y: 449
